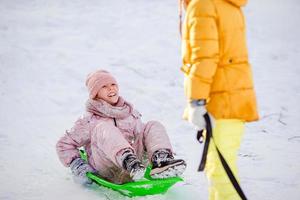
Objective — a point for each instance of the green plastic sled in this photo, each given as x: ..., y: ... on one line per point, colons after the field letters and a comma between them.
x: 148, y: 186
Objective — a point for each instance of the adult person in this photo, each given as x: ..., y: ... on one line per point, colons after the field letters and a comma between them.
x: 218, y: 81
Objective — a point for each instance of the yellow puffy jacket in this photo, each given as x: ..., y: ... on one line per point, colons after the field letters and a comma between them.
x: 215, y: 59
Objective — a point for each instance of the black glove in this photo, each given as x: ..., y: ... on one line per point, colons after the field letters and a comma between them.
x: 79, y: 168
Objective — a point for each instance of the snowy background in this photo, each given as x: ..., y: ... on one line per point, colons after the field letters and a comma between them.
x: 48, y: 47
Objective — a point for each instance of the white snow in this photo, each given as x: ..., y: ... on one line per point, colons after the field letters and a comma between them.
x: 48, y: 47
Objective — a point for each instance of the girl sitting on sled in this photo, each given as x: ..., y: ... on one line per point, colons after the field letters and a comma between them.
x: 115, y: 138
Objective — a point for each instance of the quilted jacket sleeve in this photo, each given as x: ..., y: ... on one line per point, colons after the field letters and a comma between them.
x: 203, y: 42
x: 67, y: 146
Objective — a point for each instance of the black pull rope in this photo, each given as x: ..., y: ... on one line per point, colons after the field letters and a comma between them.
x: 223, y: 161
x: 200, y: 137
x: 115, y: 121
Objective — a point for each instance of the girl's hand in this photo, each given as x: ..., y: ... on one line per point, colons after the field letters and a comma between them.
x: 79, y: 168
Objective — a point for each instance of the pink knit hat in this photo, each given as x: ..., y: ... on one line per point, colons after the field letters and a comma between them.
x: 96, y: 80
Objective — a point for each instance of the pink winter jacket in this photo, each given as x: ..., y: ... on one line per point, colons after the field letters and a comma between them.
x: 105, y: 130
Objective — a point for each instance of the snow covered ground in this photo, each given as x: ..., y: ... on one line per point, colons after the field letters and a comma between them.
x: 48, y: 47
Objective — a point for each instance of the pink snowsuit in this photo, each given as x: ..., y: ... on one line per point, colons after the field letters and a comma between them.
x: 107, y: 130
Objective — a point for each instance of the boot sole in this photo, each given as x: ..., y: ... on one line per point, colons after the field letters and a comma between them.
x: 169, y: 171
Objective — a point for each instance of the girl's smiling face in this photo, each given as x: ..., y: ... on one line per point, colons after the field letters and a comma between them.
x: 109, y: 93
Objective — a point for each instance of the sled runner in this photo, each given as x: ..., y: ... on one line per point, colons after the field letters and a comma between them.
x: 148, y: 186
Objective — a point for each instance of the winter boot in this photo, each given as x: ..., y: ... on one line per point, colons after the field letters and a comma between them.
x: 133, y: 165
x: 165, y: 166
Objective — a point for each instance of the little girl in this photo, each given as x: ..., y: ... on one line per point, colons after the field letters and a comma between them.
x: 115, y: 139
